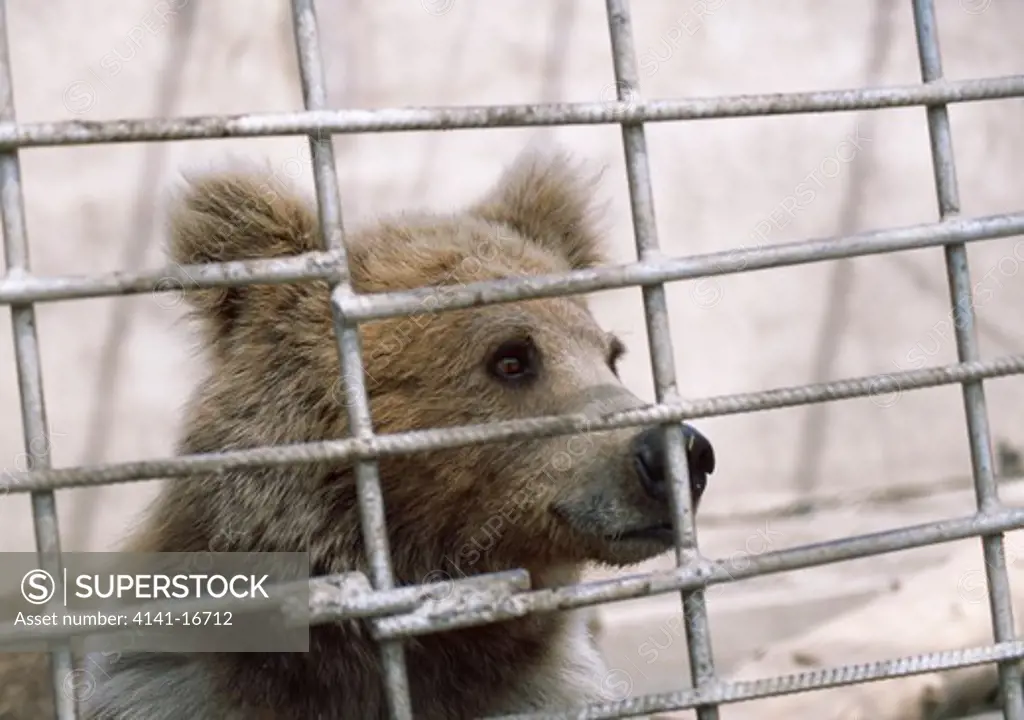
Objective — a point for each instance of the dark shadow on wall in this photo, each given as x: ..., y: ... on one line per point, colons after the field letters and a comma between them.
x: 141, y: 233
x: 814, y: 435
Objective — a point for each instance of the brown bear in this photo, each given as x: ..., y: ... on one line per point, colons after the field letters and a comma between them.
x: 275, y: 377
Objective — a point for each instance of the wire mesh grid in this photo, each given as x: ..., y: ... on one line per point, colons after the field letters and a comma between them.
x: 398, y: 613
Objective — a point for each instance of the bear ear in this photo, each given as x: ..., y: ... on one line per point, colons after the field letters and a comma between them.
x: 235, y: 216
x: 547, y: 198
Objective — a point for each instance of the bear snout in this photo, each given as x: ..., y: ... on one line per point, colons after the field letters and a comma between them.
x: 649, y: 460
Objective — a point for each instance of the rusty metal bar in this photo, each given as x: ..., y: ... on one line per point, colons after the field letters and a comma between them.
x: 469, y: 602
x: 659, y: 337
x: 979, y: 436
x: 375, y: 306
x: 886, y: 388
x: 367, y: 474
x: 35, y: 428
x: 703, y: 572
x: 821, y: 679
x: 76, y: 132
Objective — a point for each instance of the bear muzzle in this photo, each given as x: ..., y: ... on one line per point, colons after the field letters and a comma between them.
x: 651, y: 464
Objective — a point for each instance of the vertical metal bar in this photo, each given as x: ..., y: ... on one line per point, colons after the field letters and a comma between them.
x: 702, y: 670
x: 958, y: 273
x: 371, y: 503
x: 30, y: 375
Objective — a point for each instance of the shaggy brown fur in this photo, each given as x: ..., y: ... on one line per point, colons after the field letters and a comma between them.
x: 547, y: 505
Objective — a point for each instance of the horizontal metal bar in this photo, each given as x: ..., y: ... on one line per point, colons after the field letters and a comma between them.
x: 81, y: 132
x: 699, y: 574
x: 476, y: 600
x: 822, y: 679
x: 22, y: 288
x: 460, y: 436
x: 328, y: 605
x: 436, y: 299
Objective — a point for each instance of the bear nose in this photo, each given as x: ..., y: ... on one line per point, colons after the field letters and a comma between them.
x: 649, y: 458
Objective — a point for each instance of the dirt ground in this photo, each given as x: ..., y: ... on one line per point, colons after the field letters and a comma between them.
x: 117, y: 371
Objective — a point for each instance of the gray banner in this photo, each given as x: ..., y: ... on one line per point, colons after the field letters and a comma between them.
x: 165, y: 602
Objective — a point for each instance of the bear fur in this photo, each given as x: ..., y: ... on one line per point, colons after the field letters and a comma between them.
x: 274, y: 378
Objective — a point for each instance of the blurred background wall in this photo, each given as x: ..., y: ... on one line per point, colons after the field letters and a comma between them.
x: 117, y: 371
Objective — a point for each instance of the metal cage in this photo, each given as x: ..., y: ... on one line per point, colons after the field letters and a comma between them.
x: 397, y: 613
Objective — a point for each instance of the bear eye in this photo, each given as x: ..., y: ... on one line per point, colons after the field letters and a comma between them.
x: 514, y: 361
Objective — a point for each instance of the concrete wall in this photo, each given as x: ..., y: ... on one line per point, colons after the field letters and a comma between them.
x: 117, y: 371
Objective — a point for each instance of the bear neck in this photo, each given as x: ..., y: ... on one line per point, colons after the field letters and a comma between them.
x: 470, y: 668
